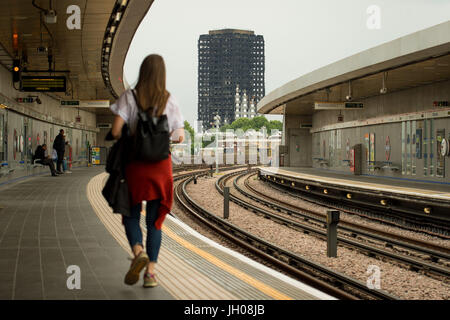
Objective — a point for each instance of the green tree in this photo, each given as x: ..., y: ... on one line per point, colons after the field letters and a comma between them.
x: 259, y: 122
x: 255, y: 123
x: 188, y: 128
x: 240, y: 123
x: 275, y: 125
x: 224, y: 128
x: 190, y: 131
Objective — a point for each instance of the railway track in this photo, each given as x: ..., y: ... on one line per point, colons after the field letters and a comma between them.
x: 316, y: 275
x: 413, y: 263
x: 386, y: 213
x: 434, y: 252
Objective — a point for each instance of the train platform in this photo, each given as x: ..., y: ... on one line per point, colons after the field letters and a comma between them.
x: 48, y: 225
x: 431, y: 191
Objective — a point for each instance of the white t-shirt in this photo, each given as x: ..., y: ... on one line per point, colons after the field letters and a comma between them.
x: 127, y: 109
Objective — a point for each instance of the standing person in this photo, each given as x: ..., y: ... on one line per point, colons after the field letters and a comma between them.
x: 150, y: 183
x: 66, y: 161
x: 59, y: 146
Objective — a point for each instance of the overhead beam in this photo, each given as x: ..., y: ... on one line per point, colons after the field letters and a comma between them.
x: 119, y: 43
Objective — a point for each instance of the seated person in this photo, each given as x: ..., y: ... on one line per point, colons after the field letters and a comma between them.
x: 41, y: 156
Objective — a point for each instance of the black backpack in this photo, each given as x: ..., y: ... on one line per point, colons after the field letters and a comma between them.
x: 150, y: 143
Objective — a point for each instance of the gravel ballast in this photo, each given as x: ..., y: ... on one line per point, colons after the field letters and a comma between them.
x: 263, y: 187
x: 394, y: 279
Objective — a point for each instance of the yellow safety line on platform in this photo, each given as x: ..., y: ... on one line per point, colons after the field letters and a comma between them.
x: 112, y: 224
x: 224, y: 266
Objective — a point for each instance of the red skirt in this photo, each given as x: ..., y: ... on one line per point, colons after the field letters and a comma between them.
x: 152, y: 181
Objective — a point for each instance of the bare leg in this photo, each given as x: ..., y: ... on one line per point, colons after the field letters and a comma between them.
x: 137, y: 249
x: 151, y: 268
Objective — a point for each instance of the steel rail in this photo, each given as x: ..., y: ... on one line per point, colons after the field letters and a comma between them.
x: 366, y: 213
x: 396, y: 212
x: 288, y: 261
x: 419, y: 264
x: 434, y: 251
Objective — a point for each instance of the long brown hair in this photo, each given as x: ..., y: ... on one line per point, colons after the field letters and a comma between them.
x: 151, y: 87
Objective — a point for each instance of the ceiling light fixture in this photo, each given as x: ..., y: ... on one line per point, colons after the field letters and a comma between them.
x: 349, y: 96
x: 383, y: 89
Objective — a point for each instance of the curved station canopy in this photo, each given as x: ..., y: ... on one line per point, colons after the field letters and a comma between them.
x: 415, y: 60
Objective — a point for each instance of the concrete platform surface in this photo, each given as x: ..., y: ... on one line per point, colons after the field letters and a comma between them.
x: 46, y: 225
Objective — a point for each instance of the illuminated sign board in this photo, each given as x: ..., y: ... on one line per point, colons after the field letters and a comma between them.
x: 43, y: 84
x: 95, y: 155
x: 338, y: 105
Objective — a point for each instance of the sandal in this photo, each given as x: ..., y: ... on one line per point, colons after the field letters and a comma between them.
x: 139, y: 263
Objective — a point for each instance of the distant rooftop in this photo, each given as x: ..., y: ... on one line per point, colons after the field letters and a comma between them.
x: 223, y: 31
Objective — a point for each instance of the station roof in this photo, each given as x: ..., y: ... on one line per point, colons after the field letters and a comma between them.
x: 223, y: 31
x: 96, y: 66
x: 414, y: 60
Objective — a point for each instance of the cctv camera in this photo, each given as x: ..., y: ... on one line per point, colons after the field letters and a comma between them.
x: 349, y: 98
x: 50, y: 17
x: 42, y: 50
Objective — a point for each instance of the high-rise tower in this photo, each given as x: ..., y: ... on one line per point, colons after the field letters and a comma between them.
x: 228, y: 59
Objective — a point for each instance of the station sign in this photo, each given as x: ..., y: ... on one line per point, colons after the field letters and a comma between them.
x: 354, y: 105
x: 338, y: 105
x: 95, y: 159
x: 85, y: 103
x: 104, y: 125
x: 43, y: 84
x: 440, y: 104
x: 25, y: 100
x: 94, y: 103
x: 66, y: 103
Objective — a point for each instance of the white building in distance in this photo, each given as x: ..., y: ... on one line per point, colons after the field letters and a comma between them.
x: 244, y: 108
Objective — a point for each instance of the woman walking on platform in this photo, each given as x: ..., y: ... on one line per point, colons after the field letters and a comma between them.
x: 150, y: 183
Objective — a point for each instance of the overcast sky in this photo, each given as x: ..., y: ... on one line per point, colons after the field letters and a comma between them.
x: 300, y: 35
